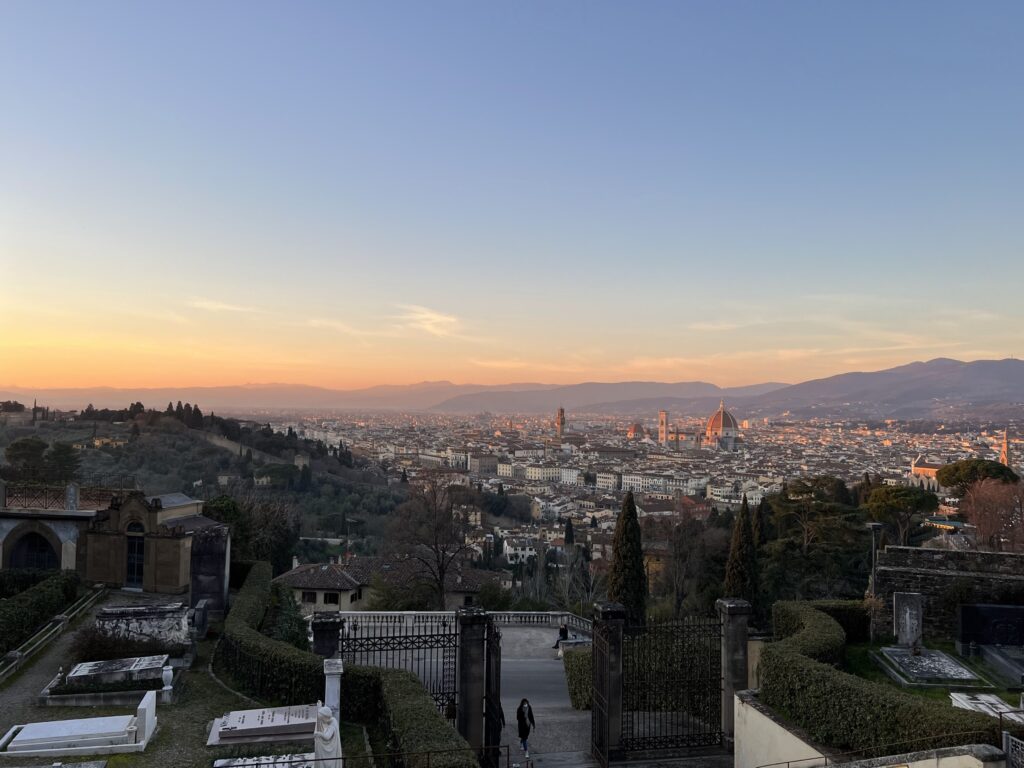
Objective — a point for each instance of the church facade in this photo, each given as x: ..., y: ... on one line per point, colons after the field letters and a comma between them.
x: 124, y: 539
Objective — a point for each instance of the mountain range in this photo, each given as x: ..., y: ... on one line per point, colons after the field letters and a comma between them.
x: 922, y: 389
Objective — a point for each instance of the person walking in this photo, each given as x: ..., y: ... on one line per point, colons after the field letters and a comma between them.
x: 525, y: 721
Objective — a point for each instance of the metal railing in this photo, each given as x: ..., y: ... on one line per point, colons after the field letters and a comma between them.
x: 418, y: 619
x: 53, y: 628
x: 424, y: 759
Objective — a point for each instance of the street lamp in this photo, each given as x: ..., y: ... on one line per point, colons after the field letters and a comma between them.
x: 875, y: 528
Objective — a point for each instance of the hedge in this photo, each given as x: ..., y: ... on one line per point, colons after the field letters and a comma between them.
x: 579, y: 674
x: 21, y: 616
x: 276, y: 672
x: 852, y: 616
x: 850, y: 713
x: 267, y: 669
x: 15, y: 580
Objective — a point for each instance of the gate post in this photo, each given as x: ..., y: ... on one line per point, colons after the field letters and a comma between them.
x: 734, y: 614
x: 472, y: 676
x: 613, y: 620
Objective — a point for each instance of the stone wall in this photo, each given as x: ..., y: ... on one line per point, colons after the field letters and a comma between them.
x: 167, y: 623
x: 948, y: 578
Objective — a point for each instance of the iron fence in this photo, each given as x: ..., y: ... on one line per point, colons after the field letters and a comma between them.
x: 672, y: 685
x: 424, y: 644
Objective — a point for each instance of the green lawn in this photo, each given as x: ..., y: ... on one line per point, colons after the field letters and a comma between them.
x: 859, y: 662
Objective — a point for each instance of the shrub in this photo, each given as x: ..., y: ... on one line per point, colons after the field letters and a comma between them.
x: 268, y: 669
x: 92, y: 644
x: 852, y: 615
x: 13, y: 581
x: 21, y: 616
x: 847, y: 712
x: 285, y: 621
x: 579, y: 674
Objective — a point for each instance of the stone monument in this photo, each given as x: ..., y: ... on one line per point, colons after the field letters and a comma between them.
x: 907, y: 618
x: 327, y: 740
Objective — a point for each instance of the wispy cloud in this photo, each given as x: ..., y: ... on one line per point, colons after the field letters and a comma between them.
x: 712, y: 326
x: 428, y: 320
x: 350, y: 330
x: 212, y: 305
x: 517, y: 364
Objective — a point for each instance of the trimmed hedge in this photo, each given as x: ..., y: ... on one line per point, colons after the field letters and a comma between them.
x: 22, y: 616
x: 579, y: 674
x: 846, y: 712
x: 267, y: 669
x: 852, y: 616
x: 276, y: 672
x: 15, y: 580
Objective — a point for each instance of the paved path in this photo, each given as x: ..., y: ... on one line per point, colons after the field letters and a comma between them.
x: 531, y: 669
x: 17, y: 698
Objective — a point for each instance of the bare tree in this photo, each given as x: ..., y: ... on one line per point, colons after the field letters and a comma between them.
x: 996, y: 509
x: 426, y: 529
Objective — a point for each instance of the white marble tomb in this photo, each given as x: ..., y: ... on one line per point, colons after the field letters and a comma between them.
x: 264, y: 725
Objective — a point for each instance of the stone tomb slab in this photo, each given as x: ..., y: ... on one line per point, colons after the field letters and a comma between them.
x: 303, y: 760
x: 987, y: 704
x: 117, y: 670
x: 89, y: 731
x: 262, y: 725
x: 928, y: 667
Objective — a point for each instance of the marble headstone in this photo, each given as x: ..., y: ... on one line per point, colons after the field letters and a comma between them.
x: 269, y: 724
x: 907, y: 618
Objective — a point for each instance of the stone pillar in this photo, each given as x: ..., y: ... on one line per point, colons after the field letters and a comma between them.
x: 613, y: 618
x: 326, y: 634
x: 472, y: 676
x: 333, y: 669
x: 734, y: 614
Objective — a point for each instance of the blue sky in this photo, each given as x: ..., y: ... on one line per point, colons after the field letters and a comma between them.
x: 347, y: 194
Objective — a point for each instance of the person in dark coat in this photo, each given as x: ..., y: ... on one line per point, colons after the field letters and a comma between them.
x: 525, y: 721
x: 563, y: 634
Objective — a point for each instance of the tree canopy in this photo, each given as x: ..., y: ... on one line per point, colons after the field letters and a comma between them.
x: 961, y: 475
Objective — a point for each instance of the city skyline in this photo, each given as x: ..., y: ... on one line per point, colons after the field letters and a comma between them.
x: 346, y: 196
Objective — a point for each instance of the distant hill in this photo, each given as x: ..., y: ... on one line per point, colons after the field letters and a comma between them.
x: 907, y: 391
x: 248, y: 397
x: 935, y: 388
x: 597, y: 397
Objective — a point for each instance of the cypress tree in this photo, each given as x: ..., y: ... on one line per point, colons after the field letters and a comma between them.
x: 627, y: 577
x: 570, y: 534
x: 740, y: 576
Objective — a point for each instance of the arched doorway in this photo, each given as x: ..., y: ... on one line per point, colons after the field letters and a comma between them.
x: 136, y: 549
x: 33, y: 551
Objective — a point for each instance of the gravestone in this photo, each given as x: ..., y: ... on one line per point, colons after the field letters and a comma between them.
x: 908, y: 618
x: 72, y: 734
x: 117, y: 670
x: 264, y: 725
x: 305, y: 760
x: 167, y: 623
x: 988, y: 704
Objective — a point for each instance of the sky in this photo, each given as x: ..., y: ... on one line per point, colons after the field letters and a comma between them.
x: 347, y: 194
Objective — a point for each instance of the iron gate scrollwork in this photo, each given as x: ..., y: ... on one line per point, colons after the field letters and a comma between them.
x: 427, y: 647
x: 1014, y: 749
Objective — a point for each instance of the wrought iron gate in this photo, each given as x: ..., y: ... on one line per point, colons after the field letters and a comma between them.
x: 494, y: 717
x: 656, y: 688
x: 672, y: 685
x: 426, y: 645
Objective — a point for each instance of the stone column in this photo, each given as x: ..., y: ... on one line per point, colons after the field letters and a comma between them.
x: 333, y: 669
x: 734, y: 614
x: 472, y: 676
x: 613, y: 618
x: 326, y: 634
